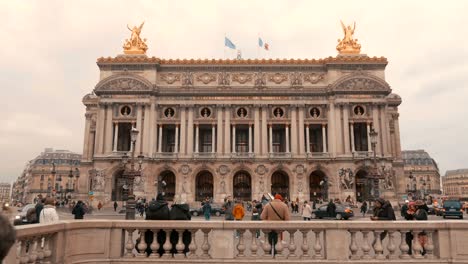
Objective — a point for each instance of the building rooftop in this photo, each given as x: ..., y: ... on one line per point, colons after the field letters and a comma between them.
x: 417, y: 157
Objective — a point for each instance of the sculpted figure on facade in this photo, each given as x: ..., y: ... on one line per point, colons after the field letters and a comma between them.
x: 224, y: 79
x: 348, y: 45
x: 346, y: 178
x: 260, y: 79
x: 388, y: 178
x: 99, y: 180
x: 261, y: 185
x: 139, y: 183
x: 135, y: 45
x: 296, y: 79
x: 185, y: 188
x: 187, y: 79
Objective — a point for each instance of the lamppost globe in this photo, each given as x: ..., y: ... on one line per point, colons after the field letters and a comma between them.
x: 134, y: 134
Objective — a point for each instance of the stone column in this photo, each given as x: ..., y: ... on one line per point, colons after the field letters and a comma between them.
x: 331, y: 130
x: 287, y: 138
x: 146, y: 131
x: 234, y: 138
x: 369, y: 147
x: 91, y: 142
x: 307, y: 138
x: 385, y: 129
x: 87, y: 144
x: 116, y: 136
x: 138, y: 126
x: 152, y: 129
x: 108, y: 131
x: 219, y: 129
x: 346, y: 128
x: 324, y: 138
x: 294, y: 130
x: 271, y: 138
x: 190, y: 132
x: 176, y: 147
x: 375, y: 125
x: 227, y: 130
x: 397, y: 135
x: 100, y: 130
x: 301, y: 130
x: 250, y: 138
x: 264, y: 131
x: 353, y: 148
x: 183, y: 128
x: 197, y: 137
x: 160, y: 138
x: 257, y: 131
x: 213, y: 139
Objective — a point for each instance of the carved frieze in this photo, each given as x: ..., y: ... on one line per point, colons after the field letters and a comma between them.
x: 187, y: 79
x: 313, y: 78
x: 278, y: 78
x: 260, y: 79
x: 242, y: 77
x: 185, y: 169
x: 206, y: 78
x: 261, y: 170
x: 224, y: 79
x: 360, y: 84
x: 124, y: 84
x: 296, y: 79
x: 223, y: 170
x: 170, y: 78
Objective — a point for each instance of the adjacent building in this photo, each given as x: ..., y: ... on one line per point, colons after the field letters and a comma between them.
x: 422, y: 176
x: 52, y: 173
x: 213, y: 128
x: 5, y: 194
x: 455, y: 184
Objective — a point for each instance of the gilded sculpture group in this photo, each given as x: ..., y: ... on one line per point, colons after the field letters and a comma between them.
x: 347, y: 45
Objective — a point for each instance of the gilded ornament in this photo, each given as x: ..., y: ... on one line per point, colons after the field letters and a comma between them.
x: 135, y: 45
x: 348, y: 45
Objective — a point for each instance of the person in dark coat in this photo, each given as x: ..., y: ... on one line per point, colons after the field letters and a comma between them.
x: 39, y: 206
x: 364, y: 208
x: 157, y: 210
x: 115, y: 206
x: 331, y: 208
x: 78, y: 210
x: 383, y: 211
x: 180, y: 210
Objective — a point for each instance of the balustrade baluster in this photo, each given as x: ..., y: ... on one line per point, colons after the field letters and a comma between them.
x: 167, y: 245
x: 40, y: 249
x: 404, y: 248
x: 129, y: 245
x: 391, y: 245
x: 180, y: 245
x: 24, y: 258
x: 47, y: 251
x: 318, y: 245
x: 253, y: 246
x: 33, y: 250
x: 430, y: 245
x: 292, y: 245
x: 416, y: 246
x: 305, y: 244
x: 142, y: 245
x: 240, y: 244
x: 365, y: 245
x: 266, y: 245
x: 378, y: 248
x: 353, y: 246
x: 193, y: 245
x: 279, y: 246
x: 155, y: 245
x: 206, y: 245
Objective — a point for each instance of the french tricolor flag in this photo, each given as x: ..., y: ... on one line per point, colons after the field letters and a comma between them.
x: 263, y: 45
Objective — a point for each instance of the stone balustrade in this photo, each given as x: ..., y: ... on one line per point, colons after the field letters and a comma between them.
x: 107, y: 241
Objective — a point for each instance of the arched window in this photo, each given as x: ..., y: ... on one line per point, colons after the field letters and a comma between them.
x: 242, y: 186
x: 204, y: 186
x: 280, y: 184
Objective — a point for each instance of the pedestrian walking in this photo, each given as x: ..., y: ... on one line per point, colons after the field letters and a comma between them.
x: 228, y: 207
x: 306, y: 211
x: 79, y: 210
x: 115, y: 206
x: 99, y: 206
x: 206, y: 208
x: 48, y: 214
x: 364, y: 208
x: 238, y: 212
x: 275, y: 210
x: 331, y: 208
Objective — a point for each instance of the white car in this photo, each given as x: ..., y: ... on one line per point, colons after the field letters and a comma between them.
x: 20, y: 219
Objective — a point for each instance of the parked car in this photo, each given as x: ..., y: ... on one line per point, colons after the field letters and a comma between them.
x: 20, y: 218
x: 341, y: 212
x: 215, y: 210
x: 453, y: 208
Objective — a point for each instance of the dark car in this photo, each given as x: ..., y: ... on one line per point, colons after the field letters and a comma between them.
x: 341, y: 212
x: 453, y: 208
x: 215, y: 210
x: 20, y: 218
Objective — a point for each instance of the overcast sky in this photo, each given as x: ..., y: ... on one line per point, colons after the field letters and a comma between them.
x: 49, y: 51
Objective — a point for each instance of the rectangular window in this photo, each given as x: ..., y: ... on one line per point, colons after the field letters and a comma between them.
x: 279, y: 140
x: 242, y: 140
x: 316, y: 138
x: 360, y: 137
x: 205, y: 139
x: 123, y: 142
x: 168, y: 138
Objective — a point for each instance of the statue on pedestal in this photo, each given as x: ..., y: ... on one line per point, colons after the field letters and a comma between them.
x: 348, y: 45
x: 135, y: 45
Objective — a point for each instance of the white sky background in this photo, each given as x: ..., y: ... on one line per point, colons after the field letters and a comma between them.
x: 49, y: 52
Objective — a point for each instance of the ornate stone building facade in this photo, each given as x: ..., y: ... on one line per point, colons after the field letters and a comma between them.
x: 5, y: 193
x: 455, y: 184
x: 243, y: 128
x: 52, y: 173
x: 422, y: 175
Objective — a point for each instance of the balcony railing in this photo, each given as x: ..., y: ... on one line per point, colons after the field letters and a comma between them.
x: 204, y: 155
x: 318, y: 155
x: 280, y: 155
x: 107, y: 241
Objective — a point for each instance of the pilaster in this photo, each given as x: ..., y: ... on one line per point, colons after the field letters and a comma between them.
x: 257, y: 131
x: 227, y: 130
x: 190, y: 131
x: 301, y: 130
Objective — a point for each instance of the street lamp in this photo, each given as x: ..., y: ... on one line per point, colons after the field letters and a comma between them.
x: 50, y: 185
x: 73, y: 176
x: 374, y: 172
x: 130, y: 175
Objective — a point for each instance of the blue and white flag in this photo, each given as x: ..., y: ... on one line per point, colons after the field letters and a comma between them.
x: 228, y: 43
x: 260, y: 42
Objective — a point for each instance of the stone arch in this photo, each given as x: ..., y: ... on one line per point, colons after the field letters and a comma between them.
x: 363, y: 185
x: 204, y: 185
x: 280, y: 183
x: 318, y: 185
x: 123, y: 83
x: 167, y: 184
x: 117, y: 183
x: 361, y: 82
x: 242, y: 185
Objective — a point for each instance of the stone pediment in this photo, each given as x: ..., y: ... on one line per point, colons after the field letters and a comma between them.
x: 123, y: 83
x: 361, y: 82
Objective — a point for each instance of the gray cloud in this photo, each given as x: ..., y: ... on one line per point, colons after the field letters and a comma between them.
x: 50, y: 49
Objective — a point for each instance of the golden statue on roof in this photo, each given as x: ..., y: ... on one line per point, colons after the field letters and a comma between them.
x: 135, y: 45
x: 348, y: 45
